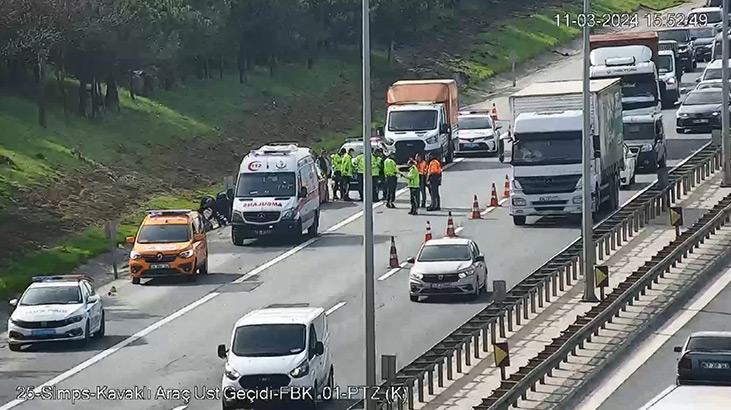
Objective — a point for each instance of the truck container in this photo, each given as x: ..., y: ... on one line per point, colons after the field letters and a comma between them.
x: 547, y: 123
x: 648, y: 39
x: 422, y: 119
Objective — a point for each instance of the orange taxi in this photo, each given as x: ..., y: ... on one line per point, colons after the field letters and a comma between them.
x: 169, y: 243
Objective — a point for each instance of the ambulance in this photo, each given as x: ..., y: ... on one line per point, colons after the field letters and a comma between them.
x: 277, y: 194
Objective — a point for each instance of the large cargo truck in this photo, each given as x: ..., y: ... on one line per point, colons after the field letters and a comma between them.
x: 547, y: 123
x: 422, y: 119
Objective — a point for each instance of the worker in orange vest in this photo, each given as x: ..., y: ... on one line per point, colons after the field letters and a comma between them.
x: 421, y: 167
x: 434, y: 178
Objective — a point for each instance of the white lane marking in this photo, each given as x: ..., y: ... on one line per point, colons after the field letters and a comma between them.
x: 105, y: 353
x: 645, y: 351
x: 183, y: 407
x: 392, y: 272
x: 459, y: 229
x: 334, y: 308
x: 102, y: 355
x: 659, y: 396
x: 492, y: 208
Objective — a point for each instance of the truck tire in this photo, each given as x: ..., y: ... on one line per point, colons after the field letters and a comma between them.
x: 450, y: 153
x: 237, y: 240
x: 518, y: 220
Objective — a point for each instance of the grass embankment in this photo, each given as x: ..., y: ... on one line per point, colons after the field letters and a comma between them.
x: 527, y: 37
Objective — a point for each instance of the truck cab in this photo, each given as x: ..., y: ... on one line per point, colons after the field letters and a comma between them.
x: 641, y: 86
x: 417, y: 128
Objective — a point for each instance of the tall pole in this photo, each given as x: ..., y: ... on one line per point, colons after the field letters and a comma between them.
x: 370, y: 304
x: 587, y: 157
x: 725, y: 153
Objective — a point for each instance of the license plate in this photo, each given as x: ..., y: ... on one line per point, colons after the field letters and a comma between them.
x: 159, y: 266
x: 263, y: 232
x: 715, y: 365
x: 43, y: 332
x: 703, y: 121
x: 441, y: 285
x: 548, y: 198
x: 471, y: 145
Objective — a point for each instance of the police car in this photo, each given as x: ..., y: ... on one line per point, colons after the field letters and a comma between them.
x: 478, y: 133
x: 54, y: 309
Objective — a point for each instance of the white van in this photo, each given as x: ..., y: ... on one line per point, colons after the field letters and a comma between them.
x: 277, y: 192
x: 281, y: 352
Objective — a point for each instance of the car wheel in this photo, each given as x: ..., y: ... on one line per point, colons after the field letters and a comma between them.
x: 14, y: 347
x: 203, y: 270
x: 227, y: 406
x: 135, y: 281
x: 312, y: 230
x: 519, y: 220
x: 633, y: 179
x: 87, y: 333
x: 313, y: 402
x: 237, y: 240
x: 330, y: 384
x: 414, y: 298
x: 100, y: 333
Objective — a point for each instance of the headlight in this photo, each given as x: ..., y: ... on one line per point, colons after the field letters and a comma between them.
x: 516, y: 185
x: 467, y: 272
x: 646, y: 147
x: 186, y: 254
x: 671, y: 80
x: 717, y: 113
x: 236, y: 216
x: 135, y: 255
x: 290, y: 214
x: 417, y: 275
x: 75, y: 319
x: 577, y: 200
x: 300, y: 370
x: 388, y: 141
x: 231, y: 373
x: 519, y: 202
x: 683, y: 114
x: 432, y: 139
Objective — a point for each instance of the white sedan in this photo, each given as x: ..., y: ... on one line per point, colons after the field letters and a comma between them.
x: 56, y: 309
x: 448, y: 266
x: 627, y: 175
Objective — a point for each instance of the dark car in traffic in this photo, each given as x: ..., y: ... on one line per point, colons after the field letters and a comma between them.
x: 700, y: 112
x: 647, y: 136
x: 705, y: 359
x: 702, y: 42
x: 685, y: 45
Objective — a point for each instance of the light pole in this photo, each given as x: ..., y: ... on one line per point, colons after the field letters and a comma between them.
x: 725, y: 153
x: 587, y: 240
x: 370, y: 305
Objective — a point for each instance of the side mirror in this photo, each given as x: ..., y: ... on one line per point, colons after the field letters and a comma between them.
x: 411, y: 260
x: 130, y: 240
x: 480, y: 258
x: 319, y: 348
x: 678, y: 349
x: 199, y: 237
x: 13, y: 302
x: 444, y: 128
x: 693, y: 38
x: 222, y: 352
x: 698, y: 79
x: 93, y: 299
x: 303, y: 192
x: 379, y: 131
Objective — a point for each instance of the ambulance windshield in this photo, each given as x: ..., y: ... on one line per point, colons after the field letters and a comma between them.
x: 266, y: 184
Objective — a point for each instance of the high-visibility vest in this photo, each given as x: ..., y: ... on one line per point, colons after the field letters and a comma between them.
x: 434, y: 167
x: 346, y: 165
x: 335, y: 159
x: 412, y: 179
x: 360, y: 164
x: 389, y: 167
x: 376, y: 164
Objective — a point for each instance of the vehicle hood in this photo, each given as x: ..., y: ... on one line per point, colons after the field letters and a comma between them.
x: 667, y: 76
x: 161, y: 247
x: 699, y: 109
x: 265, y: 365
x: 472, y: 134
x: 520, y: 170
x: 703, y: 41
x: 410, y: 135
x: 639, y: 143
x: 639, y: 111
x: 46, y: 312
x: 265, y: 204
x: 439, y: 267
x: 639, y: 106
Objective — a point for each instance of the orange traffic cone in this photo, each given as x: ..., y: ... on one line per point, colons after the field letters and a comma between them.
x: 475, y: 209
x: 506, y: 190
x: 493, y: 197
x: 392, y: 256
x: 450, y: 227
x: 493, y: 112
x: 427, y: 236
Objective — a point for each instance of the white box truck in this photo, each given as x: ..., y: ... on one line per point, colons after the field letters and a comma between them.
x: 547, y: 123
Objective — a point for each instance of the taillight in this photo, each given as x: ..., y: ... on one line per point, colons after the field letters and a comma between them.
x: 685, y: 363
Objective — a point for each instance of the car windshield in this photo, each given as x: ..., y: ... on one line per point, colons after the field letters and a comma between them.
x: 681, y: 36
x: 639, y: 85
x: 172, y: 233
x: 441, y: 253
x: 475, y: 123
x: 266, y: 184
x: 547, y: 148
x: 56, y: 295
x: 665, y: 63
x: 709, y: 344
x: 639, y: 131
x: 713, y: 74
x: 703, y: 32
x: 418, y: 120
x: 269, y: 340
x: 703, y: 98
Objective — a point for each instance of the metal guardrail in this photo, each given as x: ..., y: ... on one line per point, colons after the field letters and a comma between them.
x: 517, y: 385
x: 474, y: 336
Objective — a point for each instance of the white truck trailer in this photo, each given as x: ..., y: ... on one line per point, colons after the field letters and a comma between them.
x: 547, y: 123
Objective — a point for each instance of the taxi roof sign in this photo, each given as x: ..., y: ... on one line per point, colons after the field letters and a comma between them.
x: 61, y: 278
x: 168, y: 212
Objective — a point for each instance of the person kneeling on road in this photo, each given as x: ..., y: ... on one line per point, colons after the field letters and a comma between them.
x: 412, y: 181
x: 390, y: 171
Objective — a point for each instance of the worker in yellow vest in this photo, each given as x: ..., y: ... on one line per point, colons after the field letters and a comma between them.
x: 346, y: 173
x: 335, y: 160
x: 390, y: 171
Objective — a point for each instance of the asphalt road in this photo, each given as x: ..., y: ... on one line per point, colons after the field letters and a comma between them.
x: 165, y: 333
